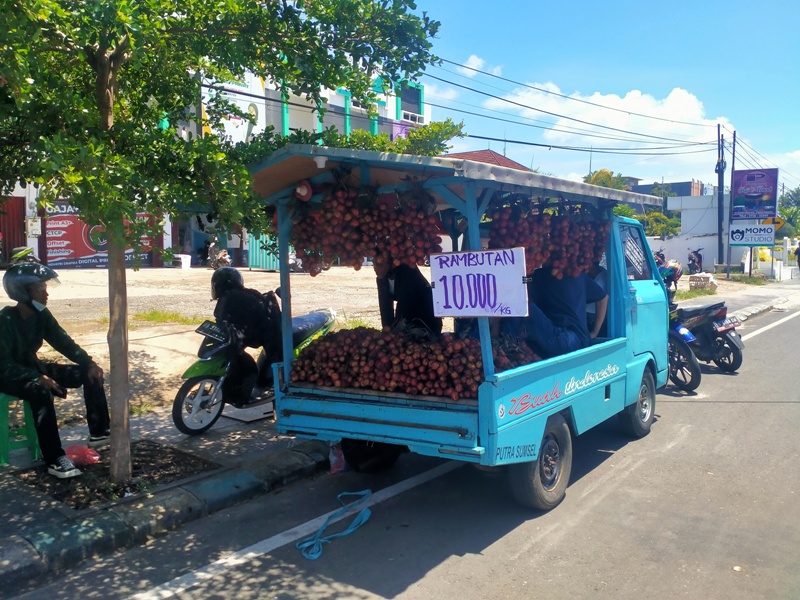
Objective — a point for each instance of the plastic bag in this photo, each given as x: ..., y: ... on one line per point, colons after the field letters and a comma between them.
x: 82, y: 456
x: 336, y: 459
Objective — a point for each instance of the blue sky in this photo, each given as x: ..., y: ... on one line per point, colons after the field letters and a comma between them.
x: 692, y: 64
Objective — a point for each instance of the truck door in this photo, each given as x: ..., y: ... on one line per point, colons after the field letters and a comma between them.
x: 648, y: 314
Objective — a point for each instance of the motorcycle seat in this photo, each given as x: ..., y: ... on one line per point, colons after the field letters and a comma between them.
x: 685, y: 314
x: 304, y: 326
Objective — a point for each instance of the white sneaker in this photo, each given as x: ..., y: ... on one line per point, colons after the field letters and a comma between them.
x: 63, y: 468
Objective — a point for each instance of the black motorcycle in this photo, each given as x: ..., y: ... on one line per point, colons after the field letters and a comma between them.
x: 715, y: 335
x: 695, y: 261
x: 684, y: 369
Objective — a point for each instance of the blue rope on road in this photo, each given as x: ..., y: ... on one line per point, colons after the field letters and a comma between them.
x: 311, y: 547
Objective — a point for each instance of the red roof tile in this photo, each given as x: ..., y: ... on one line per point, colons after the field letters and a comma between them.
x: 488, y: 156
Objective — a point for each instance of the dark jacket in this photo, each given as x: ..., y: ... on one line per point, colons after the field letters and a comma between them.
x: 413, y: 295
x: 256, y: 316
x: 21, y: 339
x: 564, y: 300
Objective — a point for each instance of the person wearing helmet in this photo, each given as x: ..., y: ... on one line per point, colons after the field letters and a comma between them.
x: 23, y: 328
x: 256, y: 320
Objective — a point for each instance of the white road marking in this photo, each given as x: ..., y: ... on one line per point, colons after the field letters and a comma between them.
x: 184, y: 582
x: 768, y: 327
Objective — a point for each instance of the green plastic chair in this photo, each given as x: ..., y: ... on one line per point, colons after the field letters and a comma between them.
x: 12, y: 438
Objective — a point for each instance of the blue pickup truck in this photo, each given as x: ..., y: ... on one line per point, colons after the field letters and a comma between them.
x: 524, y: 418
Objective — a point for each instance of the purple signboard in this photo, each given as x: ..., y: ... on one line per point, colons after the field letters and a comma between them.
x: 755, y: 194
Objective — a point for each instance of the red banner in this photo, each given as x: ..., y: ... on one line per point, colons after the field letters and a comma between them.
x: 74, y: 243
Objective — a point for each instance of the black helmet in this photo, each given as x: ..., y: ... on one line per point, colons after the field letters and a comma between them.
x: 224, y: 280
x: 21, y: 275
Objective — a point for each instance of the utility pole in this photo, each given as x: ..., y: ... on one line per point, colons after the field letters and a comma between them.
x: 730, y: 210
x: 720, y: 171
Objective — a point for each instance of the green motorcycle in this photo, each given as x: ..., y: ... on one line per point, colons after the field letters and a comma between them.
x: 199, y: 401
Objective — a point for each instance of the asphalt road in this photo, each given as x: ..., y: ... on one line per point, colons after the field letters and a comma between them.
x: 706, y: 506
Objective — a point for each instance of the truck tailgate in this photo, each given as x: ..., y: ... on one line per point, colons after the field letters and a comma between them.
x: 427, y: 425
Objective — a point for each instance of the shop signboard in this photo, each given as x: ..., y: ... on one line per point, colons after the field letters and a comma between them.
x: 73, y: 243
x: 751, y: 235
x: 755, y: 194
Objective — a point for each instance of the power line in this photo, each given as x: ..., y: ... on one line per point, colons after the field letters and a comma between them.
x: 627, y: 112
x: 768, y: 161
x: 552, y: 113
x: 569, y: 130
x: 784, y: 172
x: 624, y: 151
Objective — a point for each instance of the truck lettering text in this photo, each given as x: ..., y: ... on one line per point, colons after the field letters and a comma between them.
x: 528, y: 401
x: 576, y: 385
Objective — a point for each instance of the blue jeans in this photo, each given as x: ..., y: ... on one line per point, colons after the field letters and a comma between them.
x: 548, y: 339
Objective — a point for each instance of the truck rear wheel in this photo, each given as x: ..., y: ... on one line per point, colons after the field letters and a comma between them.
x: 542, y: 484
x: 638, y: 417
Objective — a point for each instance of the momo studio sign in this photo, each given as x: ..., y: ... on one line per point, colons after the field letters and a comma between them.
x: 751, y: 235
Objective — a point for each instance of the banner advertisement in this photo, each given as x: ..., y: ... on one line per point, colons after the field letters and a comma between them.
x: 73, y: 243
x: 755, y: 194
x: 752, y: 235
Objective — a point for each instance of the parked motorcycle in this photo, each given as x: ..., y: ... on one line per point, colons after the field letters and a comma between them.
x: 715, y: 333
x: 218, y: 258
x: 199, y: 401
x: 695, y: 261
x: 684, y: 369
x: 660, y: 258
x: 671, y: 272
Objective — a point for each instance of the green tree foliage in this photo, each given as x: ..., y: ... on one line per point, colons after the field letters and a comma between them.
x: 428, y: 140
x: 606, y: 178
x: 625, y: 210
x: 790, y: 199
x: 790, y: 214
x: 84, y: 85
x: 658, y: 224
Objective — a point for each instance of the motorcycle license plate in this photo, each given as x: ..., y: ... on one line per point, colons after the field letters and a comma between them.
x: 212, y: 330
x: 728, y: 323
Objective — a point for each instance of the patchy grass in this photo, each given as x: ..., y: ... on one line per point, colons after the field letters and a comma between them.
x: 749, y: 280
x: 141, y: 407
x: 697, y: 293
x: 351, y: 322
x: 160, y: 316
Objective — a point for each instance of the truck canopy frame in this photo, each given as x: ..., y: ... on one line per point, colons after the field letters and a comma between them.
x: 465, y: 186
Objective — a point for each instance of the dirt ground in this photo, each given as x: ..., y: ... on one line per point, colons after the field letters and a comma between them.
x: 153, y: 465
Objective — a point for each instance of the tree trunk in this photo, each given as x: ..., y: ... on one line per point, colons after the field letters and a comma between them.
x: 118, y: 351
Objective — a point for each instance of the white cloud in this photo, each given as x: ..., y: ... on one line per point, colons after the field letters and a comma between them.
x: 437, y: 92
x: 474, y: 62
x: 581, y: 121
x: 497, y: 71
x: 788, y: 164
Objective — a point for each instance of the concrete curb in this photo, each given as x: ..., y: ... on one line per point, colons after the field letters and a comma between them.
x: 37, y: 550
x: 753, y: 311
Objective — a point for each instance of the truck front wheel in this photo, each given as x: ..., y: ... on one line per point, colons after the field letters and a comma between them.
x: 542, y: 484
